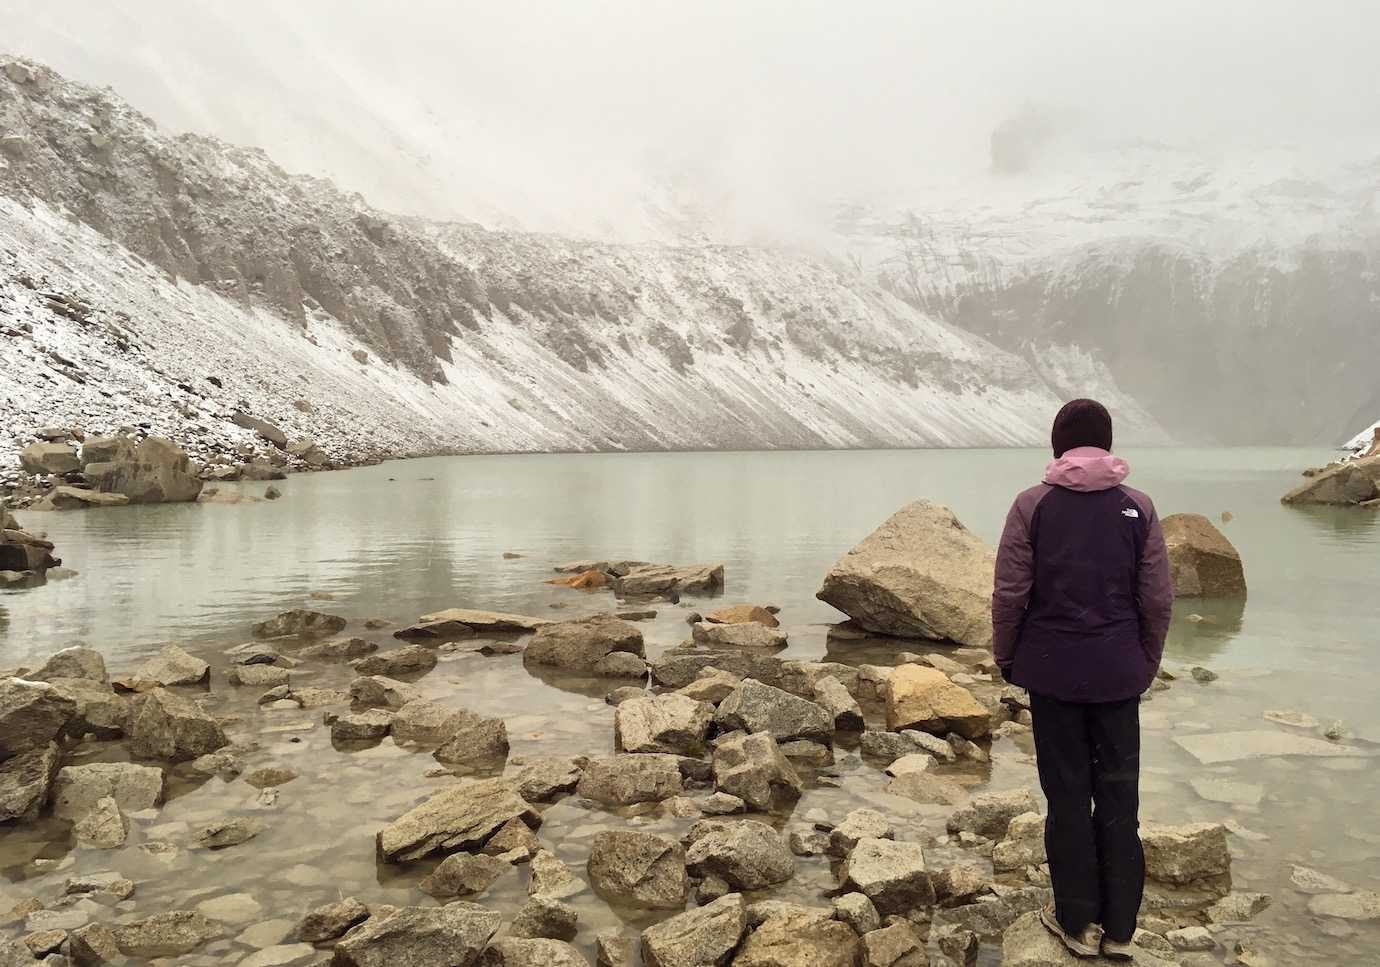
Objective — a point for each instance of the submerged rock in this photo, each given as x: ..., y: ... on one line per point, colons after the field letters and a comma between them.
x: 921, y: 574
x: 1202, y: 562
x: 301, y: 623
x: 741, y: 613
x: 525, y: 952
x: 396, y: 661
x: 464, y: 622
x: 545, y: 918
x: 165, y: 934
x: 640, y: 869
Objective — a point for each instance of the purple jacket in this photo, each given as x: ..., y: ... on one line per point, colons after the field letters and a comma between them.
x: 1082, y: 597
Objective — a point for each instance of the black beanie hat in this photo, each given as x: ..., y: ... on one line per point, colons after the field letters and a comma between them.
x: 1081, y: 423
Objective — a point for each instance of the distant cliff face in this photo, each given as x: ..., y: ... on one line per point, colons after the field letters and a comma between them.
x: 221, y: 282
x: 1255, y: 349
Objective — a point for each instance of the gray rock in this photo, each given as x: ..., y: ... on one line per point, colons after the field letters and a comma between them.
x: 664, y: 578
x: 376, y: 691
x: 167, y: 726
x: 892, y: 875
x: 1238, y: 907
x: 169, y: 934
x: 991, y: 813
x: 513, y: 843
x: 460, y: 817
x: 1181, y: 855
x: 858, y: 912
x: 752, y: 768
x: 546, y: 778
x: 475, y: 740
x: 669, y: 723
x: 552, y: 879
x: 463, y: 875
x: 1191, y: 938
x: 613, y: 949
x: 100, y: 710
x: 426, y: 723
x: 580, y: 644
x: 678, y: 667
x: 898, y: 944
x: 457, y: 622
x: 103, y: 826
x: 338, y: 649
x: 1027, y: 943
x: 302, y: 623
x: 747, y: 634
x: 1360, y: 905
x: 756, y: 707
x: 927, y: 788
x: 800, y: 938
x: 328, y: 922
x: 92, y: 944
x: 44, y: 459
x: 639, y: 869
x: 171, y: 666
x: 32, y: 714
x: 231, y: 831
x: 279, y: 955
x: 519, y: 952
x: 892, y: 745
x: 76, y: 662
x: 621, y: 664
x: 258, y: 675
x: 1213, y: 748
x: 367, y: 726
x: 746, y: 854
x: 1023, y: 846
x: 133, y: 787
x: 623, y: 780
x: 625, y: 693
x: 920, y: 574
x: 704, y: 936
x: 842, y: 707
x: 108, y: 884
x: 26, y: 782
x: 544, y: 918
x: 407, y: 660
x: 452, y: 935
x: 267, y: 777
x: 858, y: 825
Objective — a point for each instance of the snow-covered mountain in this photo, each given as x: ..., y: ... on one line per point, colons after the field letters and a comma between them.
x: 1234, y: 295
x: 171, y: 281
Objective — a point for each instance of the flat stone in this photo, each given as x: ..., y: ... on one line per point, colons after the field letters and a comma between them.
x: 231, y: 831
x: 1361, y: 905
x: 546, y: 778
x: 1227, y: 791
x: 757, y: 707
x: 459, y: 817
x: 169, y: 934
x: 1211, y: 748
x: 279, y: 955
x: 230, y: 908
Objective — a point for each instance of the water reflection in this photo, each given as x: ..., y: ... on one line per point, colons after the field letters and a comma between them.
x: 1203, y: 628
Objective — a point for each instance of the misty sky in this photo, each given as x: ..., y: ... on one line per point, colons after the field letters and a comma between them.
x: 556, y: 111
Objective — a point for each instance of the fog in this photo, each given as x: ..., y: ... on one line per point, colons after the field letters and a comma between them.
x: 596, y: 118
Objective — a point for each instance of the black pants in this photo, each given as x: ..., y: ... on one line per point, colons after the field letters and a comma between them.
x: 1089, y: 761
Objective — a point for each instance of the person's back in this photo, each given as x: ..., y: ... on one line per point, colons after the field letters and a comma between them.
x: 1080, y: 609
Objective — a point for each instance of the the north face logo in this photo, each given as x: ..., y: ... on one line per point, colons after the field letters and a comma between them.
x: 1130, y: 512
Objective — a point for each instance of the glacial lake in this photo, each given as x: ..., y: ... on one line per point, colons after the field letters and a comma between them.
x: 406, y: 538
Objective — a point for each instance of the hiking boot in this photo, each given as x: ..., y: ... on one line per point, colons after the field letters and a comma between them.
x: 1083, y: 944
x: 1116, y: 950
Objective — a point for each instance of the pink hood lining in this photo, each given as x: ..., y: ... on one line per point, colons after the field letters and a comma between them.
x: 1087, y: 469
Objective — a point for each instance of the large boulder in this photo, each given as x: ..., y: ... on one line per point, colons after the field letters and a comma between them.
x: 800, y: 938
x: 639, y: 869
x: 745, y: 854
x: 1202, y: 562
x: 663, y: 723
x: 159, y: 473
x: 921, y: 574
x: 26, y: 782
x: 666, y: 578
x: 1353, y: 482
x: 163, y: 725
x: 48, y: 458
x: 459, y: 817
x: 923, y: 698
x: 756, y: 707
x: 624, y: 780
x: 580, y: 645
x: 32, y: 714
x: 450, y: 936
x: 753, y: 768
x: 703, y: 937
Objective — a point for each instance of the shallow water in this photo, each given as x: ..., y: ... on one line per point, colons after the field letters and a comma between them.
x: 402, y: 539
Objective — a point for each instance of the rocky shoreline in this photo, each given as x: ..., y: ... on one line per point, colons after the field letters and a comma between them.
x: 714, y: 822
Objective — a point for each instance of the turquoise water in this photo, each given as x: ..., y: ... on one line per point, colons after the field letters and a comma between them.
x: 405, y: 538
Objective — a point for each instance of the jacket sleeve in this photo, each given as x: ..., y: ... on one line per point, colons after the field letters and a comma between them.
x: 1154, y: 589
x: 1015, y: 575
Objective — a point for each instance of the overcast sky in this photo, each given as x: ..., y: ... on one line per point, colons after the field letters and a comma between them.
x: 569, y: 111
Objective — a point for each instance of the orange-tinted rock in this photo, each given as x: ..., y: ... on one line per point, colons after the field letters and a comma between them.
x: 585, y: 580
x: 741, y: 614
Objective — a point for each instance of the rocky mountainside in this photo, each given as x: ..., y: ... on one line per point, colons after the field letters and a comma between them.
x: 169, y: 282
x: 1238, y: 301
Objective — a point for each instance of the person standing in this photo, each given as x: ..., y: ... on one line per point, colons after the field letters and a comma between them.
x: 1080, y: 608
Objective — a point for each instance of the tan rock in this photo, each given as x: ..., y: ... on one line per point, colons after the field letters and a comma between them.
x: 924, y: 698
x: 741, y: 613
x: 1201, y: 559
